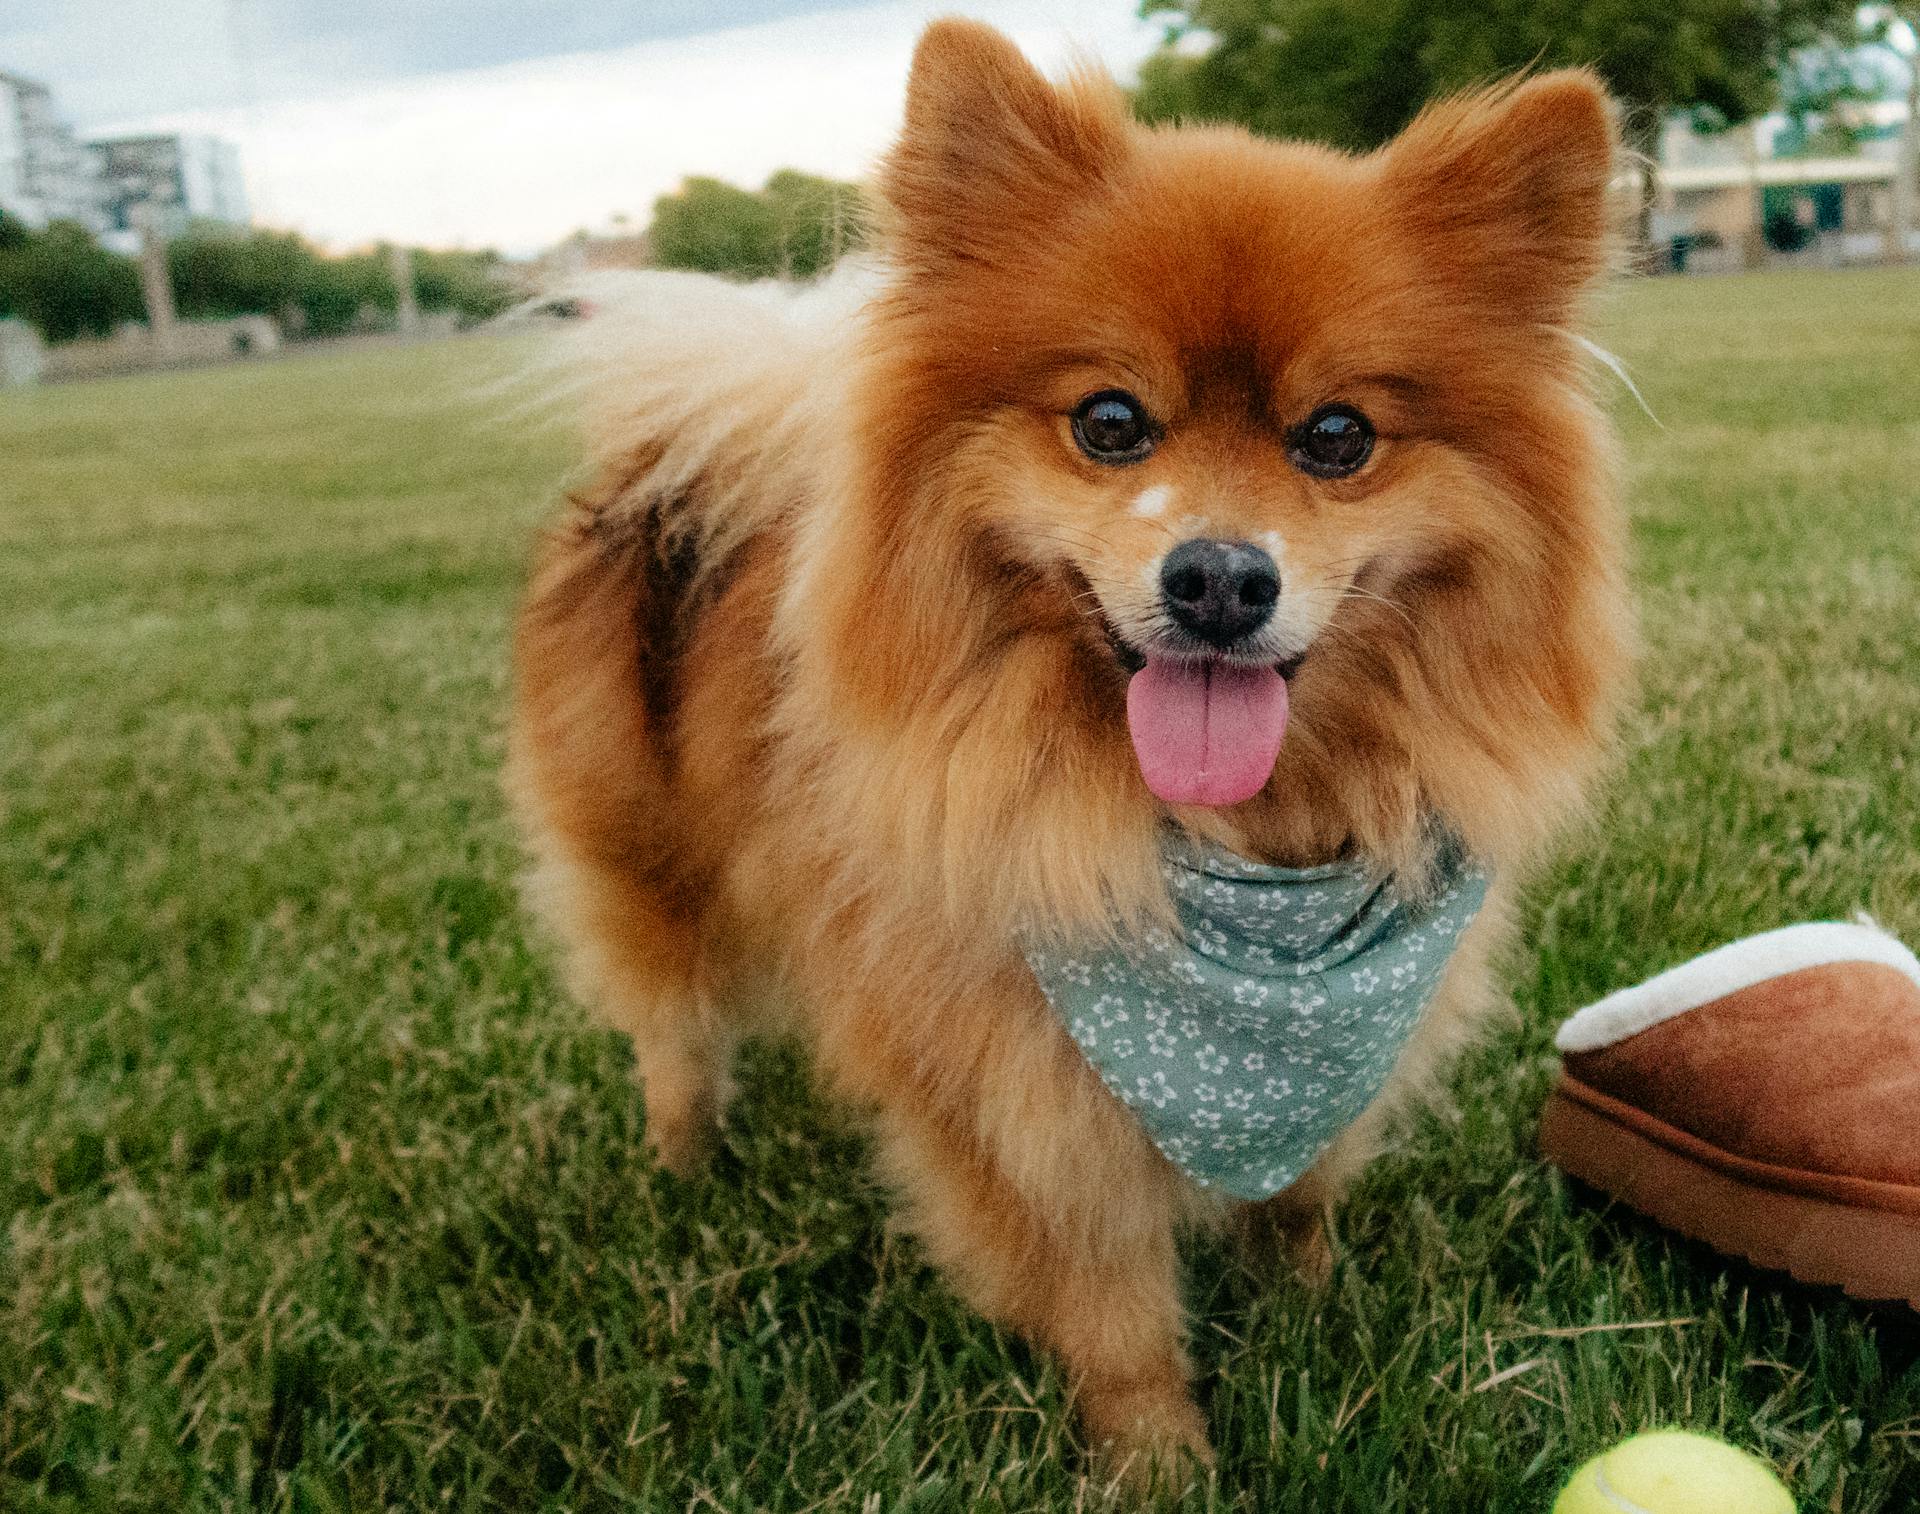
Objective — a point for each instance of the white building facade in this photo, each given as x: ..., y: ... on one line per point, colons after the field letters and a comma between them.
x: 46, y: 173
x: 170, y: 180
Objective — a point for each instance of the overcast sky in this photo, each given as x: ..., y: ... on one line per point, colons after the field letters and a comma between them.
x: 510, y: 122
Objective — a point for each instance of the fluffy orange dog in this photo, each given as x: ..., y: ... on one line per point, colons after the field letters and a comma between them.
x: 1147, y: 488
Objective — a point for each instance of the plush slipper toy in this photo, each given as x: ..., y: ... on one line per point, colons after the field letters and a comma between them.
x: 1763, y: 1098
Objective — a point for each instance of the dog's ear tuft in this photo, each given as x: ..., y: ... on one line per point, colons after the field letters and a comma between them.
x: 1511, y: 186
x: 988, y: 140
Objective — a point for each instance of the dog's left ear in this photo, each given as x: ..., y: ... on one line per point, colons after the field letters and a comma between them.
x: 1508, y: 190
x: 990, y: 147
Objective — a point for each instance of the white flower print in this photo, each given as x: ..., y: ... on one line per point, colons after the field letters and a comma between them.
x: 1160, y: 1043
x: 1156, y: 1090
x: 1085, y: 1032
x: 1238, y: 1098
x: 1076, y: 971
x: 1123, y: 1047
x: 1254, y: 1061
x: 1365, y: 980
x: 1211, y: 1060
x: 1206, y: 1093
x: 1205, y: 1119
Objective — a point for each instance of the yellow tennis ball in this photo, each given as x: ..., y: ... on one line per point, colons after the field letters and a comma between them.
x: 1674, y: 1472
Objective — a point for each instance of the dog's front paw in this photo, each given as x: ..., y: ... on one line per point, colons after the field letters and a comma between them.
x: 683, y: 1129
x: 1308, y: 1249
x: 1148, y: 1437
x: 1278, y: 1234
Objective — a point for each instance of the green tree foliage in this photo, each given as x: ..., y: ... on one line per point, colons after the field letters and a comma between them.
x: 471, y: 284
x: 66, y: 284
x: 336, y: 293
x: 794, y: 227
x: 218, y: 273
x: 818, y: 219
x: 1353, y: 72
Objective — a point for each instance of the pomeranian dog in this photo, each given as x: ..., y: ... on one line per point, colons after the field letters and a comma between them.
x: 1103, y: 661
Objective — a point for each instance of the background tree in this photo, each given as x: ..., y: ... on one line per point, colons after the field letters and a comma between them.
x: 218, y: 273
x: 817, y: 220
x: 473, y: 285
x: 794, y: 227
x: 66, y: 284
x: 1353, y: 72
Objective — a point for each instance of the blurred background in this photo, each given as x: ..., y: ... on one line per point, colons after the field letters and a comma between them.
x: 217, y: 178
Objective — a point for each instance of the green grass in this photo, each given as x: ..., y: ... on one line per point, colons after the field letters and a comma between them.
x: 318, y: 1194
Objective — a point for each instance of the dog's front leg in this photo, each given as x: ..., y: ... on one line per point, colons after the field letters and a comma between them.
x: 1050, y: 1213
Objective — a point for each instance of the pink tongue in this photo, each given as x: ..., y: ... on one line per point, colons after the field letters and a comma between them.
x: 1206, y: 733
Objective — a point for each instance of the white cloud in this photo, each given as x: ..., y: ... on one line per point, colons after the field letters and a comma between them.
x: 519, y: 155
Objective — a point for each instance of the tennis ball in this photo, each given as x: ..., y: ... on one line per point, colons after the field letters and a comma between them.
x: 1674, y: 1472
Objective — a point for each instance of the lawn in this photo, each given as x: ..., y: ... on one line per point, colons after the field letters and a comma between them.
x: 319, y: 1194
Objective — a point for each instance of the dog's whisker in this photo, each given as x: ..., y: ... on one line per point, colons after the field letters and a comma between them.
x: 1356, y: 592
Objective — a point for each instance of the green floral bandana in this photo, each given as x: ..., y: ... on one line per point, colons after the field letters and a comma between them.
x: 1247, y: 1044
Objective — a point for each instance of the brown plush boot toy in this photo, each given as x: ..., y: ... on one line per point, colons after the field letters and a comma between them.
x: 1763, y: 1098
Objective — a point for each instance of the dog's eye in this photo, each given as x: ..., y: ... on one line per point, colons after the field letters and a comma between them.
x: 1113, y: 427
x: 1335, y: 440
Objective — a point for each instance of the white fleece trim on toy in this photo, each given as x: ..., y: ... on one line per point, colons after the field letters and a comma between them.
x: 1727, y: 970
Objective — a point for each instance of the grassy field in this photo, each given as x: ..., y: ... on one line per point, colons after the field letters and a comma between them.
x: 319, y: 1195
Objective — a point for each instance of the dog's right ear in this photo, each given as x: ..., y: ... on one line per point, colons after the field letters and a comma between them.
x: 989, y: 145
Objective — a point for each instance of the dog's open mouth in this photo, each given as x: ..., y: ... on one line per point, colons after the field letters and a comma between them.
x: 1205, y: 730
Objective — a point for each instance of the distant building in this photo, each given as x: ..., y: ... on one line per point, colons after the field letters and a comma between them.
x: 1720, y: 216
x: 172, y: 179
x: 1781, y: 188
x: 46, y: 174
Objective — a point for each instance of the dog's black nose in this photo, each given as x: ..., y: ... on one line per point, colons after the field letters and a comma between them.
x: 1219, y: 591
